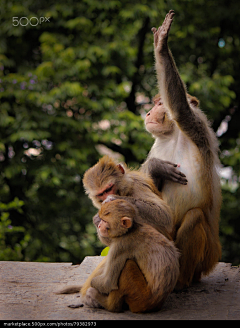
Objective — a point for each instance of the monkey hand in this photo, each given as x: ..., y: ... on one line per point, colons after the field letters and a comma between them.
x: 161, y: 34
x: 160, y: 169
x: 96, y: 220
x: 109, y: 199
x: 103, y: 287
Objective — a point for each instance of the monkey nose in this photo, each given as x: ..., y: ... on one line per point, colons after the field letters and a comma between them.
x: 148, y: 114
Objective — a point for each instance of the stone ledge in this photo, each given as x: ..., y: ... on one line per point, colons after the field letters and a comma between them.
x: 27, y: 293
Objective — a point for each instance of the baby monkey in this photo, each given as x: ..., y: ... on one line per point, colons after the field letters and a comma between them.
x: 142, y: 265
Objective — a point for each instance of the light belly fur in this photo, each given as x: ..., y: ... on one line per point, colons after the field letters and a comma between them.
x: 182, y: 198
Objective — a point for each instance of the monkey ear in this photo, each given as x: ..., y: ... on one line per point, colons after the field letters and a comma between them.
x: 194, y: 101
x: 121, y: 168
x: 126, y: 222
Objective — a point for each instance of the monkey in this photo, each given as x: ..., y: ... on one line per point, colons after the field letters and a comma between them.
x: 106, y: 181
x: 152, y: 272
x: 183, y: 134
x: 106, y: 178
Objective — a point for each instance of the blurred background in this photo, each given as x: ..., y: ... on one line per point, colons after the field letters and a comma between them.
x: 76, y: 79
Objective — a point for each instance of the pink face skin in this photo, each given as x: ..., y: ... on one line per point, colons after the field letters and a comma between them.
x: 103, y: 228
x: 109, y: 189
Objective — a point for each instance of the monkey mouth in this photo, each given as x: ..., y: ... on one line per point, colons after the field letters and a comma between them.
x: 151, y: 123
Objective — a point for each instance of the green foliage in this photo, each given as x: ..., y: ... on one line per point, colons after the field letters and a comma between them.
x: 76, y: 86
x: 13, y: 239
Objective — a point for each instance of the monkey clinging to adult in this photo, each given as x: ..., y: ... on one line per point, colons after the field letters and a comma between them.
x: 108, y: 179
x: 183, y: 135
x: 144, y: 259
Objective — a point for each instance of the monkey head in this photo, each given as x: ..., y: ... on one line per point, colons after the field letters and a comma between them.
x: 116, y: 217
x: 158, y: 121
x: 105, y: 178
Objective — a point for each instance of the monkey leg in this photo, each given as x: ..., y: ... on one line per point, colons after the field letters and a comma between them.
x: 138, y: 295
x: 133, y: 290
x: 212, y: 253
x: 191, y: 240
x: 96, y: 272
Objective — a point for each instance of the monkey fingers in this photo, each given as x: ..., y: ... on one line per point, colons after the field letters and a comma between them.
x: 167, y: 23
x: 177, y: 176
x: 162, y: 32
x: 109, y: 199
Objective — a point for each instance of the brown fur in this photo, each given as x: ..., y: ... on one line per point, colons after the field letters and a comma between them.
x: 144, y: 286
x: 185, y: 137
x: 134, y: 186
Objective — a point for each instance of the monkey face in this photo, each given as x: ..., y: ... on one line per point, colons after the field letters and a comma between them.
x: 116, y: 218
x: 103, y: 228
x: 104, y: 179
x: 157, y: 120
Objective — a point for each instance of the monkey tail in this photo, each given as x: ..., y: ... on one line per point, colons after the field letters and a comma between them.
x: 69, y: 290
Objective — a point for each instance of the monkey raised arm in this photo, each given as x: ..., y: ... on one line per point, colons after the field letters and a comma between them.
x: 172, y: 88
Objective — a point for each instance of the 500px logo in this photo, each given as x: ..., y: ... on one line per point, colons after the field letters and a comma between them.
x: 33, y: 21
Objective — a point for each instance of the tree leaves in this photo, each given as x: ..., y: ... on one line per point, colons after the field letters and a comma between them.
x: 78, y: 86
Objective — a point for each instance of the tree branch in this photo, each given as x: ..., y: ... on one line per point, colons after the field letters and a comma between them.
x: 130, y: 101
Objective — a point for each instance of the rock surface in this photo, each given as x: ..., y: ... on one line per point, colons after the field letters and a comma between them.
x: 27, y: 293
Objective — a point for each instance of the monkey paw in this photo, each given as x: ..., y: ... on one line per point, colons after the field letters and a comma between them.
x: 162, y: 32
x: 102, y: 286
x: 109, y: 199
x: 96, y: 219
x: 90, y: 298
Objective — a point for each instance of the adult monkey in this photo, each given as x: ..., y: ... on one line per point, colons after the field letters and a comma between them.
x: 183, y: 135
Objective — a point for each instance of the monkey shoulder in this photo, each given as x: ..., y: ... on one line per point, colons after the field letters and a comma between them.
x: 142, y: 181
x: 147, y: 233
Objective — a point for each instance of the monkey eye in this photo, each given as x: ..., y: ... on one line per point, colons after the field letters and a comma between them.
x: 106, y: 213
x: 109, y: 189
x: 106, y: 190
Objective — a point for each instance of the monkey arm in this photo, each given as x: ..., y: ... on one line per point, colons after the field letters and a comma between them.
x: 172, y: 88
x: 157, y: 214
x: 108, y: 280
x: 161, y: 170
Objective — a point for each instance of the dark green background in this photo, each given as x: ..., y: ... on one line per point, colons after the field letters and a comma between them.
x: 83, y: 80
